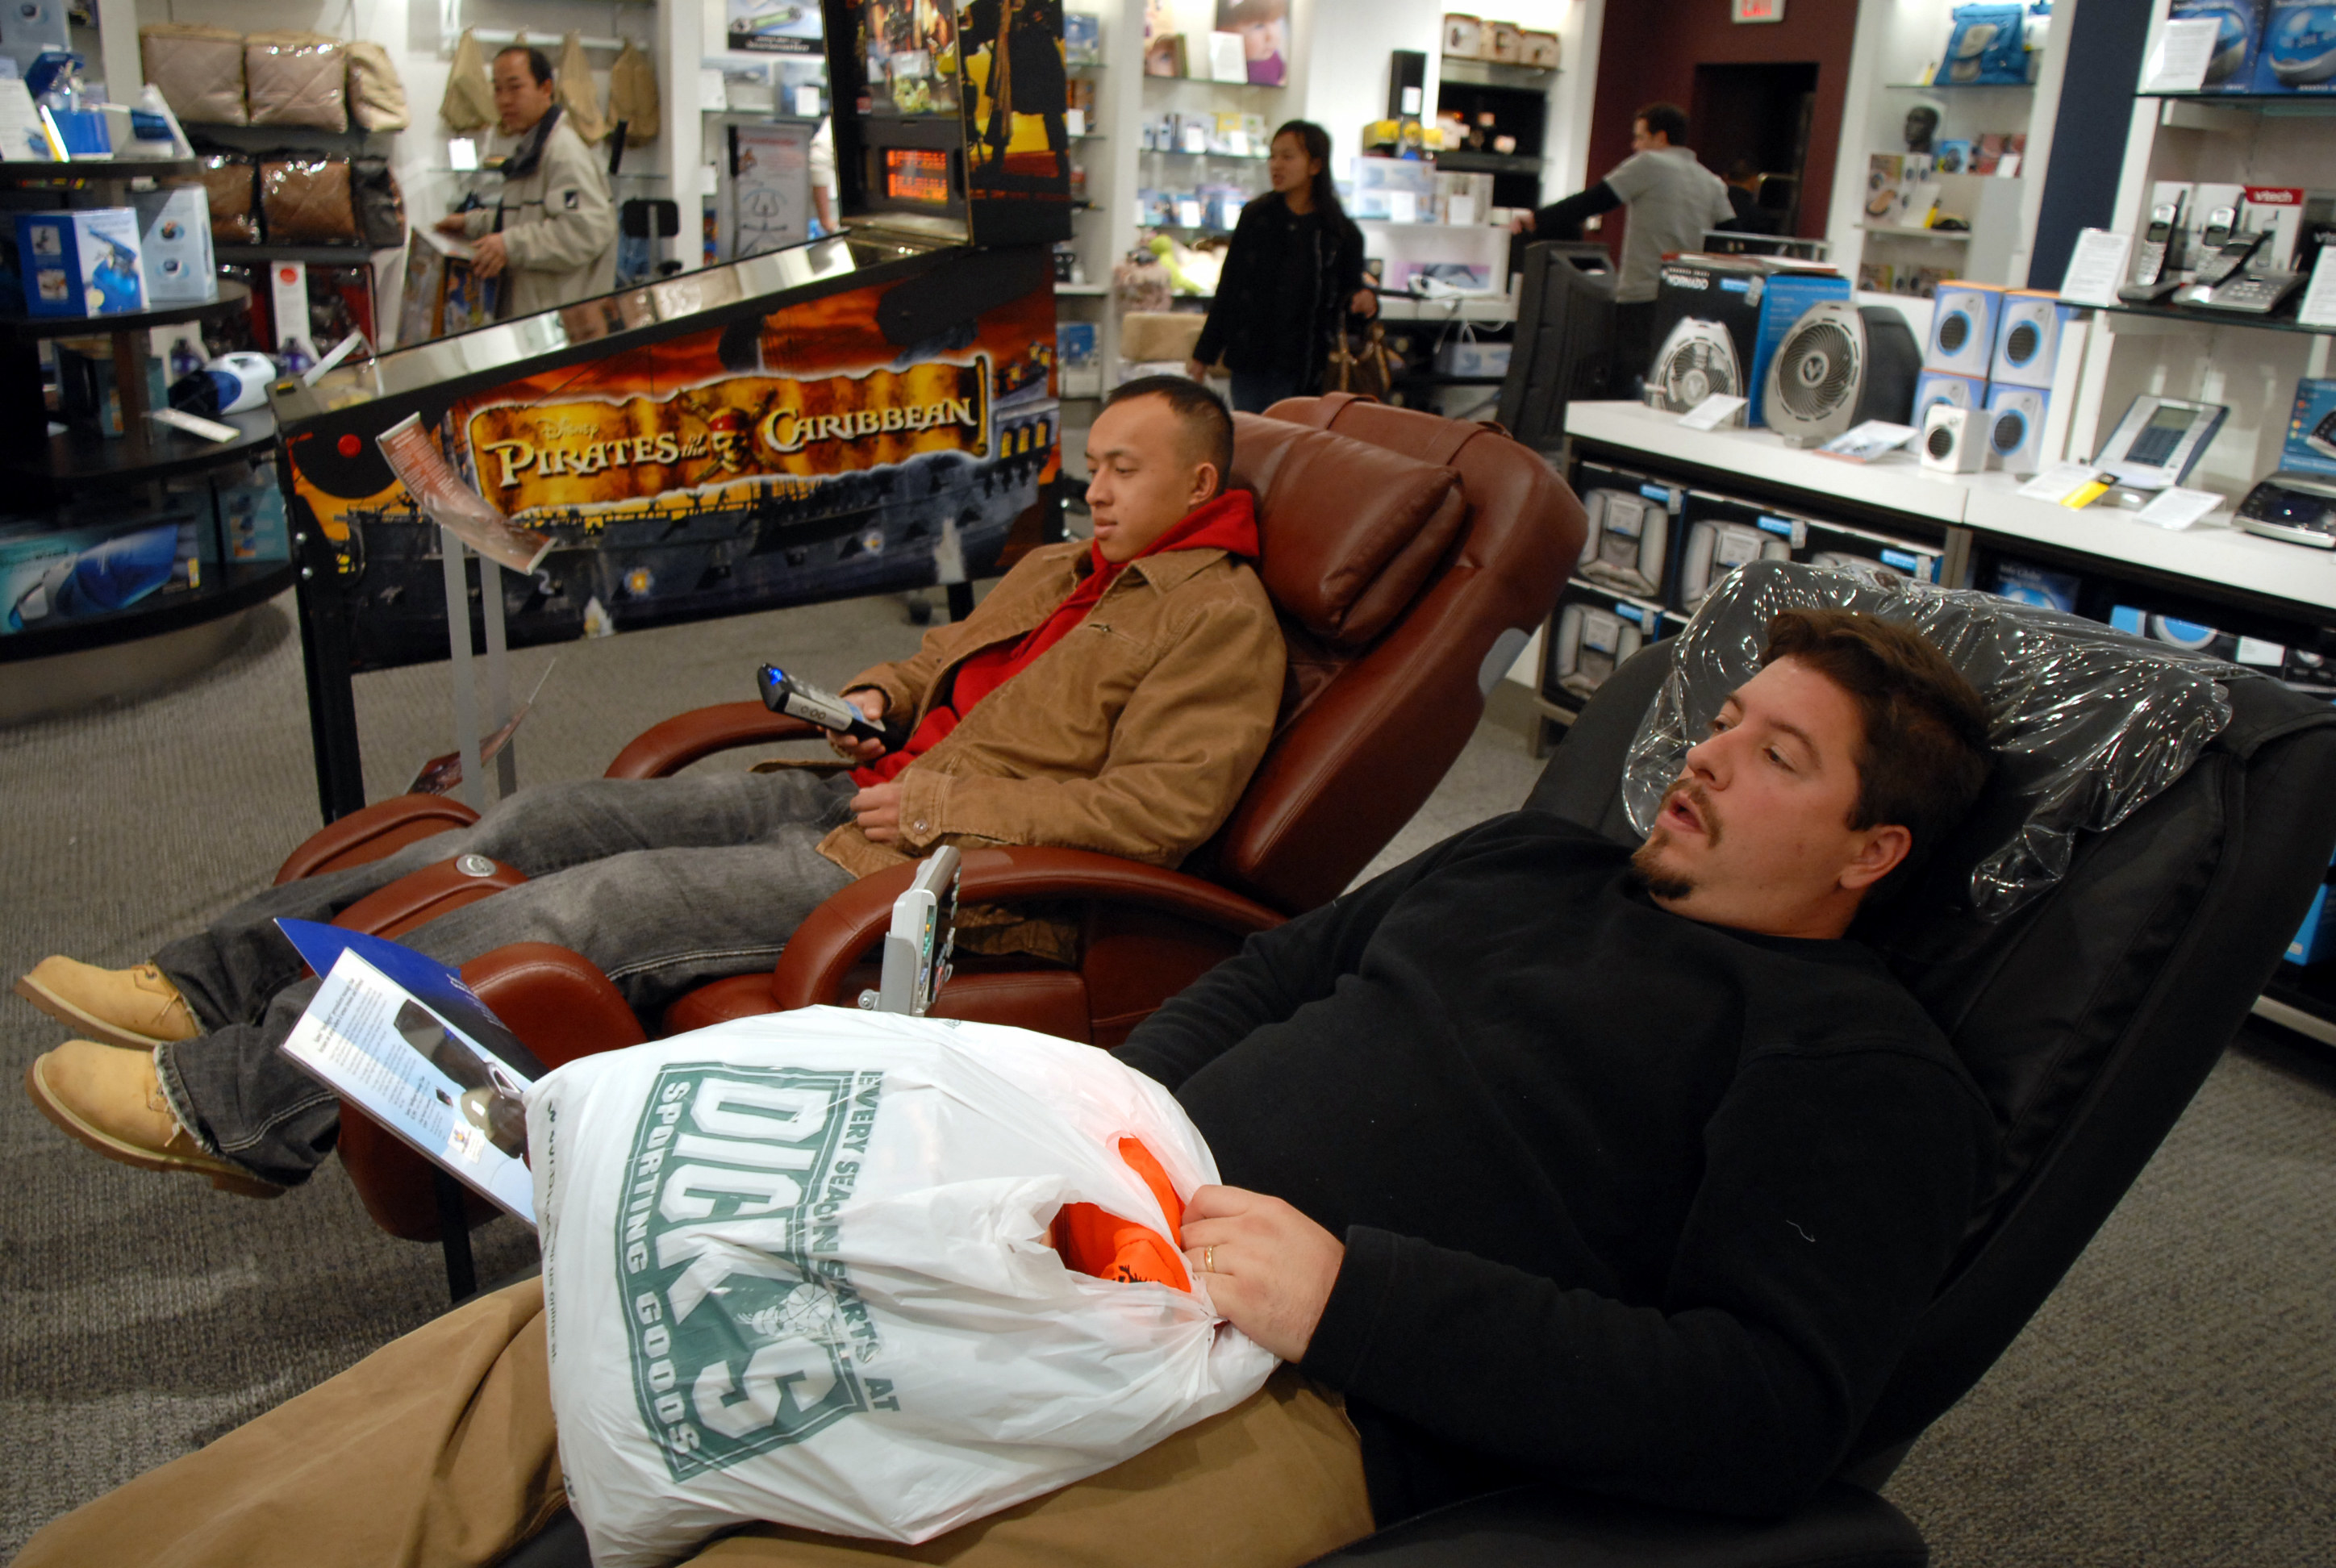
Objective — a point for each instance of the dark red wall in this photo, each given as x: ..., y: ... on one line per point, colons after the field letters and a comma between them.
x: 1650, y: 49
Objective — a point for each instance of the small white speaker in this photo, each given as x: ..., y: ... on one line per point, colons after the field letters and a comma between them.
x: 1952, y: 438
x: 2015, y: 429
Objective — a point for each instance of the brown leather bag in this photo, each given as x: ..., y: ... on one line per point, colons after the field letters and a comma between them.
x: 306, y: 201
x: 1362, y: 363
x: 228, y: 180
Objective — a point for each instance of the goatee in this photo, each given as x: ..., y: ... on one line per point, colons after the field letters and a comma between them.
x: 1650, y: 873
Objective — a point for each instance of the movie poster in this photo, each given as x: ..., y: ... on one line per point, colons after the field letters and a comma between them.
x: 1264, y: 29
x: 1017, y: 145
x: 801, y: 458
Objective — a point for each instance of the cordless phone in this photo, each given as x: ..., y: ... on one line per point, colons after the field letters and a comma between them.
x: 2228, y: 258
x: 2151, y: 263
x: 2219, y: 224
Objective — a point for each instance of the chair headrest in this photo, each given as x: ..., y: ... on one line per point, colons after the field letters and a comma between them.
x: 1349, y: 532
x: 2088, y: 723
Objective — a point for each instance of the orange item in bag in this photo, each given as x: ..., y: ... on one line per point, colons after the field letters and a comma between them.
x: 1097, y: 1241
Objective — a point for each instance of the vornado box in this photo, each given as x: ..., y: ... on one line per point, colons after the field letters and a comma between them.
x: 1592, y: 633
x: 1755, y: 299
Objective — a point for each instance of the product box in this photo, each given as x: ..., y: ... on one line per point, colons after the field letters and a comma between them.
x: 2254, y: 652
x: 1459, y: 357
x: 2299, y: 48
x: 2276, y: 212
x: 1632, y: 523
x: 1936, y: 387
x: 2028, y: 332
x: 89, y: 399
x: 1078, y: 362
x: 2238, y: 39
x: 2311, y: 447
x: 83, y: 263
x: 1757, y: 299
x: 251, y: 516
x: 1839, y: 546
x: 1987, y: 47
x: 2024, y: 582
x: 2016, y: 420
x: 75, y: 574
x: 1964, y: 317
x: 174, y: 243
x: 1593, y: 633
x: 1082, y: 38
x: 1718, y: 534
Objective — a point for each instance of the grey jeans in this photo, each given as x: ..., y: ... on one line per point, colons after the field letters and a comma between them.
x: 664, y: 884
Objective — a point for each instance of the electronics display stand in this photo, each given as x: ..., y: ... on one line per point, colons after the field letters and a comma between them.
x: 188, y: 629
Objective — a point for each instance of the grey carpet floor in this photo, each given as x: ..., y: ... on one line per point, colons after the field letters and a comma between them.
x: 2173, y: 1403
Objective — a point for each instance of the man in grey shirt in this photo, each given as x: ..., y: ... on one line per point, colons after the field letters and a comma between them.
x: 1672, y: 200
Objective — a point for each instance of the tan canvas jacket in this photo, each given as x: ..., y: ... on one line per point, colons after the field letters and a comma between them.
x: 558, y: 227
x: 1133, y: 735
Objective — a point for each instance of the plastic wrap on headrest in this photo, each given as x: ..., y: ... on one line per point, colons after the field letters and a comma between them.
x: 2087, y: 723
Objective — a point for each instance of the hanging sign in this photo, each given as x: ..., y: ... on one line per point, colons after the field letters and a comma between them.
x: 1758, y: 10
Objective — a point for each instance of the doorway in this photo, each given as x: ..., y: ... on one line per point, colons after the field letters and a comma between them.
x: 1759, y: 114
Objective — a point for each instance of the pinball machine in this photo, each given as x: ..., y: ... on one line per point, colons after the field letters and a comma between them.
x: 856, y: 415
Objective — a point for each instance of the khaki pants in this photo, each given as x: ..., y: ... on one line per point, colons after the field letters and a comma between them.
x: 437, y: 1451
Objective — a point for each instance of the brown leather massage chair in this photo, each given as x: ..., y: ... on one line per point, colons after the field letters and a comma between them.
x: 1409, y: 556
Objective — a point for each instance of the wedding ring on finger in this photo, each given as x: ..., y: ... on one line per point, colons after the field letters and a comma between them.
x: 1208, y: 1259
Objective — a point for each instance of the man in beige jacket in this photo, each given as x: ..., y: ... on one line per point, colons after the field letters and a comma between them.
x: 1112, y: 697
x: 553, y: 236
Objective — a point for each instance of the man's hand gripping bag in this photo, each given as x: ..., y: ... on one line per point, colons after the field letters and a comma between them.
x: 803, y: 1268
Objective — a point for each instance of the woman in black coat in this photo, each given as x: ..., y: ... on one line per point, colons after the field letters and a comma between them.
x: 1293, y: 272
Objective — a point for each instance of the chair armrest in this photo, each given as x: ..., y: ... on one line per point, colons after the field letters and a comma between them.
x: 422, y: 896
x: 671, y: 746
x: 372, y: 832
x: 825, y: 946
x: 1843, y: 1526
x: 556, y: 1001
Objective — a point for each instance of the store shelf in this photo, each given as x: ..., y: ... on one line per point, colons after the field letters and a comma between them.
x: 232, y: 296
x: 1901, y: 232
x: 104, y: 170
x: 79, y: 461
x: 294, y: 139
x: 2296, y: 104
x: 1958, y: 86
x: 1082, y: 290
x: 1460, y: 160
x: 1181, y: 152
x: 315, y: 255
x: 2216, y: 318
x: 232, y: 588
x: 1465, y: 73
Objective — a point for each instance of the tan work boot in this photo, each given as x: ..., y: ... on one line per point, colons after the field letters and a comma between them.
x: 135, y: 1008
x: 110, y: 1100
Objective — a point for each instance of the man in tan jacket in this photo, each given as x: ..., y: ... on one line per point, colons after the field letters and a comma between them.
x: 552, y: 235
x: 1112, y: 697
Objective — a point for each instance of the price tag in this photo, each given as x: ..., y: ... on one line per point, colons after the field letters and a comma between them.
x: 1075, y: 122
x: 2066, y: 483
x: 1403, y: 206
x: 2184, y: 50
x: 2177, y: 508
x: 2319, y: 306
x: 462, y: 154
x: 2096, y: 268
x: 807, y: 106
x: 1187, y: 212
x: 1719, y: 408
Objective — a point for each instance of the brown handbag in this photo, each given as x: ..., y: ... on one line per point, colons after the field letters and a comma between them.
x: 200, y: 70
x: 1362, y: 363
x: 306, y: 201
x: 228, y: 181
x: 296, y: 79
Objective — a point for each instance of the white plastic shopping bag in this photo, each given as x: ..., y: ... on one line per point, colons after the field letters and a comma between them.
x: 798, y: 1267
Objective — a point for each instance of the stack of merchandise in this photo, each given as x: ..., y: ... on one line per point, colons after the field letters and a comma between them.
x: 2000, y: 351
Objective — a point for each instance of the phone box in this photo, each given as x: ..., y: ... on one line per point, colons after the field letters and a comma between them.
x: 1593, y: 633
x: 2277, y: 213
x: 2238, y: 39
x: 1756, y: 301
x: 1963, y: 318
x: 2028, y: 332
x: 1936, y: 387
x: 2311, y: 445
x: 174, y: 243
x: 2299, y: 48
x: 84, y: 263
x: 2024, y: 582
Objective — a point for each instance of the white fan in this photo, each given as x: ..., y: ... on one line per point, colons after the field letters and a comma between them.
x: 1698, y: 361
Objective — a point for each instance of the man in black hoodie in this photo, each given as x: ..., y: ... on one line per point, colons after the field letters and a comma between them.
x: 1552, y: 1159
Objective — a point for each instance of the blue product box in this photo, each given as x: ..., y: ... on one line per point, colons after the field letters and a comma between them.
x: 174, y: 244
x: 2024, y: 583
x: 1987, y: 48
x: 2315, y: 939
x: 83, y: 263
x: 74, y: 573
x: 1082, y: 38
x: 2311, y: 447
x: 1936, y: 387
x: 1963, y: 318
x: 2238, y: 39
x: 251, y: 516
x: 2028, y: 331
x: 2299, y: 49
x: 1783, y: 301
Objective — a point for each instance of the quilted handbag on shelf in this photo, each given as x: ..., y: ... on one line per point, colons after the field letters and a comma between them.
x: 470, y: 101
x: 229, y: 180
x: 633, y: 95
x: 306, y: 201
x: 198, y: 70
x: 576, y: 95
x: 376, y: 92
x: 296, y: 79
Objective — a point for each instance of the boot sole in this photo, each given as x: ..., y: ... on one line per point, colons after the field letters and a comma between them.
x: 224, y: 1177
x: 93, y: 1027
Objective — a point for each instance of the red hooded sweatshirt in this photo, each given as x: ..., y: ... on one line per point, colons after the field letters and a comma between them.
x: 1228, y: 523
